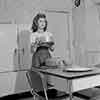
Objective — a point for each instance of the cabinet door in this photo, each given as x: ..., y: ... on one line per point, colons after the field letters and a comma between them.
x: 58, y: 25
x: 92, y: 30
x: 63, y: 5
x: 24, y: 46
x: 8, y: 43
x: 86, y: 27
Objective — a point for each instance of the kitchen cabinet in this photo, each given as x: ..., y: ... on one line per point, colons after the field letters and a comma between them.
x: 8, y: 45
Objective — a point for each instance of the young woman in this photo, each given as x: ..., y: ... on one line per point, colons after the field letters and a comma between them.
x: 41, y: 41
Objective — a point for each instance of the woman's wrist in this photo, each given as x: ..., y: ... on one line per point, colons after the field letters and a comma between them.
x: 33, y: 48
x: 52, y: 48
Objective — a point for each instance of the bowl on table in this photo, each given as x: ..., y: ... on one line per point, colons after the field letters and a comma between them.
x: 53, y: 62
x: 46, y: 44
x: 45, y: 41
x: 45, y: 38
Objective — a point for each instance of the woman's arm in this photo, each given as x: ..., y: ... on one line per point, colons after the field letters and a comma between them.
x: 52, y: 40
x: 34, y: 45
x: 33, y: 42
x: 33, y: 48
x: 52, y: 48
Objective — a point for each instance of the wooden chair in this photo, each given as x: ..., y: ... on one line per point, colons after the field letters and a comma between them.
x: 39, y: 87
x: 37, y: 84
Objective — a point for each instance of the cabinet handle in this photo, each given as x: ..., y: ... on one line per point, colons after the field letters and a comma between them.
x: 15, y: 50
x: 23, y: 51
x: 19, y: 50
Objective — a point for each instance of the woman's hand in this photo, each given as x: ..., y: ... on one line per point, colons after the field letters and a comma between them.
x: 52, y: 48
x: 34, y: 46
x: 37, y: 41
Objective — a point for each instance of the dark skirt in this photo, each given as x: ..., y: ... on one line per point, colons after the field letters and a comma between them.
x: 40, y: 56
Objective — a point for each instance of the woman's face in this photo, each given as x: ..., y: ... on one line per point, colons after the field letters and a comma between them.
x: 41, y: 23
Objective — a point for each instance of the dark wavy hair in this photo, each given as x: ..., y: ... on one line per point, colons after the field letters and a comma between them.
x: 35, y: 22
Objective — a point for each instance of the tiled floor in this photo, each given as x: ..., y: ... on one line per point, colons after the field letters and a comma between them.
x: 28, y: 96
x: 75, y: 98
x: 94, y: 93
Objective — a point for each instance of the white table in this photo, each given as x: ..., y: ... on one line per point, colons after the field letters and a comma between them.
x: 75, y: 80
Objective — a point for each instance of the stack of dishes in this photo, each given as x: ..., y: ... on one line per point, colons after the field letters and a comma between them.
x: 76, y: 68
x: 47, y: 44
x: 53, y: 62
x: 45, y: 41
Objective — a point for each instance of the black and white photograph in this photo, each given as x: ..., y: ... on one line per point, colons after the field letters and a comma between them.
x: 49, y: 49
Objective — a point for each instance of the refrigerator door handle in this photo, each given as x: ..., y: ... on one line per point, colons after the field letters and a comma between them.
x: 19, y: 50
x: 15, y: 51
x: 23, y: 51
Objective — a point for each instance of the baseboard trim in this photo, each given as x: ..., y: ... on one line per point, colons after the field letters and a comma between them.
x: 17, y: 96
x: 27, y: 94
x: 52, y: 93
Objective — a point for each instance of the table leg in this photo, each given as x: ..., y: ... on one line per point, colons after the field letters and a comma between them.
x: 69, y: 87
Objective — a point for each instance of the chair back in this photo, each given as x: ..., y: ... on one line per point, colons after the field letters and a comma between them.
x: 35, y: 80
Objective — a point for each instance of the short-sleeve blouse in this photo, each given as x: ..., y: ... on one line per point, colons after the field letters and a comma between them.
x: 37, y: 35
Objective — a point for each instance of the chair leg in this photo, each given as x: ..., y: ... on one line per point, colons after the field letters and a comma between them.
x: 35, y: 95
x: 45, y: 92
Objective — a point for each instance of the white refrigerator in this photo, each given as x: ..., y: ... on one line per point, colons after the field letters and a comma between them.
x: 12, y: 79
x: 8, y: 46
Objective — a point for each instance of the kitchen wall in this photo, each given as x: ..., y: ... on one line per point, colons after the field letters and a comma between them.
x: 78, y: 20
x: 21, y: 13
x: 86, y: 28
x: 76, y: 30
x: 85, y: 46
